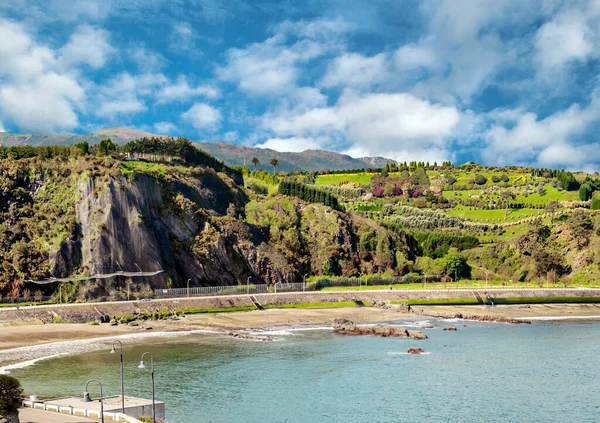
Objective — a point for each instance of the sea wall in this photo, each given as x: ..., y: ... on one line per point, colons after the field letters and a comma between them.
x: 85, y: 312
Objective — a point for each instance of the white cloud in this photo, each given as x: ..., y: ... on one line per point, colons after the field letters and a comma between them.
x: 123, y: 94
x: 521, y: 138
x: 562, y: 40
x: 203, y: 116
x: 272, y: 67
x: 356, y: 70
x: 181, y: 91
x: 396, y: 125
x: 2, y: 128
x: 147, y: 60
x: 34, y: 94
x: 413, y: 56
x: 166, y: 128
x: 292, y: 144
x: 231, y: 136
x: 87, y: 45
x: 183, y: 38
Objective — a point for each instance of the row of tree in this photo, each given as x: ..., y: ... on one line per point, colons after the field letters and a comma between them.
x: 308, y: 193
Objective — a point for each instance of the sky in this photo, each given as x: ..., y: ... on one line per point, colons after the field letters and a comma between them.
x: 499, y: 82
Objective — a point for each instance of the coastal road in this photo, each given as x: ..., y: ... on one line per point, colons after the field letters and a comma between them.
x: 28, y: 415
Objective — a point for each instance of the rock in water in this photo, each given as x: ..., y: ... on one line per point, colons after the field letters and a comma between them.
x: 348, y: 327
x: 452, y: 328
x: 413, y: 350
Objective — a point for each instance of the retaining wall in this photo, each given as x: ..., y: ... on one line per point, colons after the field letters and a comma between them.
x: 81, y: 313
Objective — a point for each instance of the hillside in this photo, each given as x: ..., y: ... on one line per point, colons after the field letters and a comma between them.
x: 65, y: 212
x: 231, y: 154
x: 68, y: 211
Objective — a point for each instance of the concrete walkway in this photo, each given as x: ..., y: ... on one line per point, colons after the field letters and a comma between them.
x: 28, y: 415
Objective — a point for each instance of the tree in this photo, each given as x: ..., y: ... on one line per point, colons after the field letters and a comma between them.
x: 552, y: 208
x: 274, y: 162
x: 585, y: 192
x: 454, y: 264
x: 580, y: 225
x: 255, y: 162
x: 10, y: 394
x: 105, y: 147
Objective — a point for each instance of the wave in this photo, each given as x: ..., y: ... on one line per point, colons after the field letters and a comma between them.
x: 4, y: 370
x: 543, y: 318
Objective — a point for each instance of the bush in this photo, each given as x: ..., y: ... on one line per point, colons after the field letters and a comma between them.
x: 10, y: 394
x: 595, y: 203
x: 495, y: 179
x: 480, y: 179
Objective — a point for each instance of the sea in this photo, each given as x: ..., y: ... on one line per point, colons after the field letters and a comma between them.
x: 547, y: 371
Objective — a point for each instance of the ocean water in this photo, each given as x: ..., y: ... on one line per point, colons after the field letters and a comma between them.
x: 484, y: 372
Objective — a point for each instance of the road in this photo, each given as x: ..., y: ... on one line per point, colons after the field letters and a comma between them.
x: 28, y: 415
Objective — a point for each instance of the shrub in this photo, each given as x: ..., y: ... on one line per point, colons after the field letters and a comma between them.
x: 495, y: 179
x: 10, y: 394
x: 480, y: 179
x: 595, y: 203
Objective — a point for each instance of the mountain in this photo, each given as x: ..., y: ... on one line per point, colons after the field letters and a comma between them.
x: 231, y: 154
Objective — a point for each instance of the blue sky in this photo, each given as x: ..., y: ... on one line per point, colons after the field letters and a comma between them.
x: 500, y: 82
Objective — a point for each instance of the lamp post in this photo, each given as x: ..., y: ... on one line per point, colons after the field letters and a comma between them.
x: 86, y: 397
x: 304, y: 281
x: 143, y: 366
x: 248, y: 285
x: 128, y: 289
x: 114, y: 351
x: 188, y: 288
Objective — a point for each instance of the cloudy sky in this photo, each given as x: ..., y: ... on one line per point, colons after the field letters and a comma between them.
x: 495, y: 81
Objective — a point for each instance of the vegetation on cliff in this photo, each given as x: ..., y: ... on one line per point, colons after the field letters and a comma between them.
x: 159, y: 203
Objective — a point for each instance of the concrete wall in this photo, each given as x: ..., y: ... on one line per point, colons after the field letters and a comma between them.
x: 82, y: 313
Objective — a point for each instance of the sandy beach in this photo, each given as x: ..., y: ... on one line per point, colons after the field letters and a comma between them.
x: 36, y: 340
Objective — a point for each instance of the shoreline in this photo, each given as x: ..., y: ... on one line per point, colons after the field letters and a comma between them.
x: 24, y: 344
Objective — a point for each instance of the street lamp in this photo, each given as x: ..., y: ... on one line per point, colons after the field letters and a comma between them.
x: 143, y: 366
x: 248, y: 285
x: 114, y: 351
x: 128, y: 289
x: 86, y: 397
x: 188, y: 287
x: 304, y: 280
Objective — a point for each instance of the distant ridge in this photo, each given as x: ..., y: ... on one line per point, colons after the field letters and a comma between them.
x: 231, y: 154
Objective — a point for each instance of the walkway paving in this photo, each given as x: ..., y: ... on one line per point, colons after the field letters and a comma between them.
x: 28, y: 415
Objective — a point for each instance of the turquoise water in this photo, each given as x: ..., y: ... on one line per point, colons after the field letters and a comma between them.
x: 544, y: 372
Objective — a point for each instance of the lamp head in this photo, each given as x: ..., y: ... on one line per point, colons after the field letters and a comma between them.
x: 86, y: 397
x: 112, y: 350
x: 142, y: 365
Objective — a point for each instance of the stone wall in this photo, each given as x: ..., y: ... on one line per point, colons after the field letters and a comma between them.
x: 81, y: 313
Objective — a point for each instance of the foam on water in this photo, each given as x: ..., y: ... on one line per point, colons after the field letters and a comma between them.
x: 548, y: 318
x: 4, y: 370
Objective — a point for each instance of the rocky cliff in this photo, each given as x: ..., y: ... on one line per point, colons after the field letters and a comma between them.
x: 90, y: 215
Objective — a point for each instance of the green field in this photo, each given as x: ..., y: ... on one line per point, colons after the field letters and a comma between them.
x: 132, y: 168
x: 358, y: 178
x: 552, y: 194
x: 493, y: 216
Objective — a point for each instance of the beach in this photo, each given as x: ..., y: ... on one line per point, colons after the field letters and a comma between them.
x: 32, y: 335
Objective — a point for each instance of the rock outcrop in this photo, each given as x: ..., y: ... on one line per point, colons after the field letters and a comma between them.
x: 348, y: 327
x: 414, y: 350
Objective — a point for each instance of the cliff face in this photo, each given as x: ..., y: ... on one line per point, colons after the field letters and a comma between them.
x: 100, y: 215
